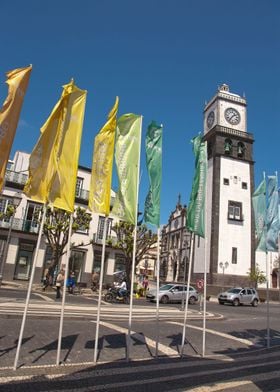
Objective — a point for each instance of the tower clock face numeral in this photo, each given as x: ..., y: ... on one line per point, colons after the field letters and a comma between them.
x: 232, y: 116
x: 210, y: 119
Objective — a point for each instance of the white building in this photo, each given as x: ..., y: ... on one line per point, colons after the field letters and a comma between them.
x: 20, y: 232
x: 230, y: 245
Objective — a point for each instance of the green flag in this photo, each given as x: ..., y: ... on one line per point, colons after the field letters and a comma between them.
x: 272, y: 218
x: 127, y: 157
x: 154, y: 163
x: 195, y: 214
x: 259, y: 206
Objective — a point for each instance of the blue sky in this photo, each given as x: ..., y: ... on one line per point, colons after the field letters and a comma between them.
x: 163, y: 59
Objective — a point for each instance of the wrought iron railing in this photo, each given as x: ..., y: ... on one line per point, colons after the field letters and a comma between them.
x: 110, y: 240
x: 20, y: 225
x: 21, y: 178
x: 16, y: 177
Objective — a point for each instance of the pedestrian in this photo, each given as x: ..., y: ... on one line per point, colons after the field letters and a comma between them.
x: 94, y: 280
x: 48, y: 276
x: 145, y: 284
x: 59, y: 283
x: 71, y: 282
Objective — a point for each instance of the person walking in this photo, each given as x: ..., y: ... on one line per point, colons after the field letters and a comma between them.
x: 59, y: 283
x: 145, y: 284
x: 94, y: 281
x: 48, y: 277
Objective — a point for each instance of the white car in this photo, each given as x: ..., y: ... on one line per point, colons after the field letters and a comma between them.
x: 173, y: 292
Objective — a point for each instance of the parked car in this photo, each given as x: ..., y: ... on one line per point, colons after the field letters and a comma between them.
x: 173, y: 292
x: 239, y: 296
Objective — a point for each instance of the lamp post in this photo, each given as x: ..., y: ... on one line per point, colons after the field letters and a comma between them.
x: 3, y: 259
x: 223, y: 266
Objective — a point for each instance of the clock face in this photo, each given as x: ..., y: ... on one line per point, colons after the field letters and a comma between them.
x: 232, y: 116
x: 210, y: 119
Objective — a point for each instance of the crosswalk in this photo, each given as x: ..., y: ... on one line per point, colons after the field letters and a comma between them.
x: 119, y: 312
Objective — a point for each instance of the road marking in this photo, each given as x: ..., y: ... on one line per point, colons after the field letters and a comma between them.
x: 152, y: 343
x: 44, y: 297
x: 222, y: 334
x: 5, y: 380
x: 222, y: 386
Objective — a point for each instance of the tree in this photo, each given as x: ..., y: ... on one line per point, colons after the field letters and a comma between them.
x: 56, y: 229
x: 125, y: 238
x: 256, y: 276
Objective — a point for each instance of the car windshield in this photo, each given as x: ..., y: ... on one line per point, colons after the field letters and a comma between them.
x: 234, y: 291
x: 166, y: 287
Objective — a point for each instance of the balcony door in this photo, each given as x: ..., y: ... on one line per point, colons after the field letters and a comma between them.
x: 31, y: 224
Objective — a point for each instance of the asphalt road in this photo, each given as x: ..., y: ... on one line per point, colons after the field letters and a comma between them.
x: 236, y: 357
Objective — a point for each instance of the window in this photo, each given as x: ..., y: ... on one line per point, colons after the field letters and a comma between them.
x: 226, y: 181
x: 234, y: 210
x: 79, y: 186
x: 4, y: 203
x: 244, y: 185
x: 234, y: 256
x: 100, y: 230
x: 228, y: 146
x: 240, y: 149
x: 32, y: 215
x: 83, y: 229
x: 119, y: 263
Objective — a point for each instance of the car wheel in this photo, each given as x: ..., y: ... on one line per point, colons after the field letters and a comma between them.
x: 192, y: 300
x: 235, y: 302
x: 255, y: 302
x: 164, y: 299
x: 221, y: 302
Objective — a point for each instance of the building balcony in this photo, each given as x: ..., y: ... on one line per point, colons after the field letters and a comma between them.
x: 20, y: 225
x: 15, y: 179
x: 109, y: 240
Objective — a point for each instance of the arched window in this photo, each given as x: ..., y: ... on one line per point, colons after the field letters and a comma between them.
x: 240, y: 149
x: 228, y: 146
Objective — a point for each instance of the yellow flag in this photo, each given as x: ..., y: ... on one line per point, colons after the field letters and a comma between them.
x: 102, y: 165
x: 53, y: 163
x: 17, y: 81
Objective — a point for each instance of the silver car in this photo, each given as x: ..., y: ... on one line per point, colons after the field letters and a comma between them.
x: 239, y: 296
x: 173, y: 292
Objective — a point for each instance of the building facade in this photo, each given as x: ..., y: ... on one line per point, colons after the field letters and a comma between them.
x: 229, y: 240
x: 175, y: 246
x: 18, y: 235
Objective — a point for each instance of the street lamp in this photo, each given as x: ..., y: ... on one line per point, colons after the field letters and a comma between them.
x: 223, y: 266
x: 3, y: 259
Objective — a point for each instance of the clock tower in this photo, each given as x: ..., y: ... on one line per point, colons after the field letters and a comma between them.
x: 230, y: 183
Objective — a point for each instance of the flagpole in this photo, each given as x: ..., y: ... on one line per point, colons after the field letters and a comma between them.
x: 64, y: 291
x: 100, y: 289
x: 157, y: 294
x: 187, y: 297
x: 267, y: 288
x: 134, y: 248
x: 205, y: 271
x: 30, y: 287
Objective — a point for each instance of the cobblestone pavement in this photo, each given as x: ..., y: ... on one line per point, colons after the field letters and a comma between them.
x: 232, y: 363
x: 246, y: 372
